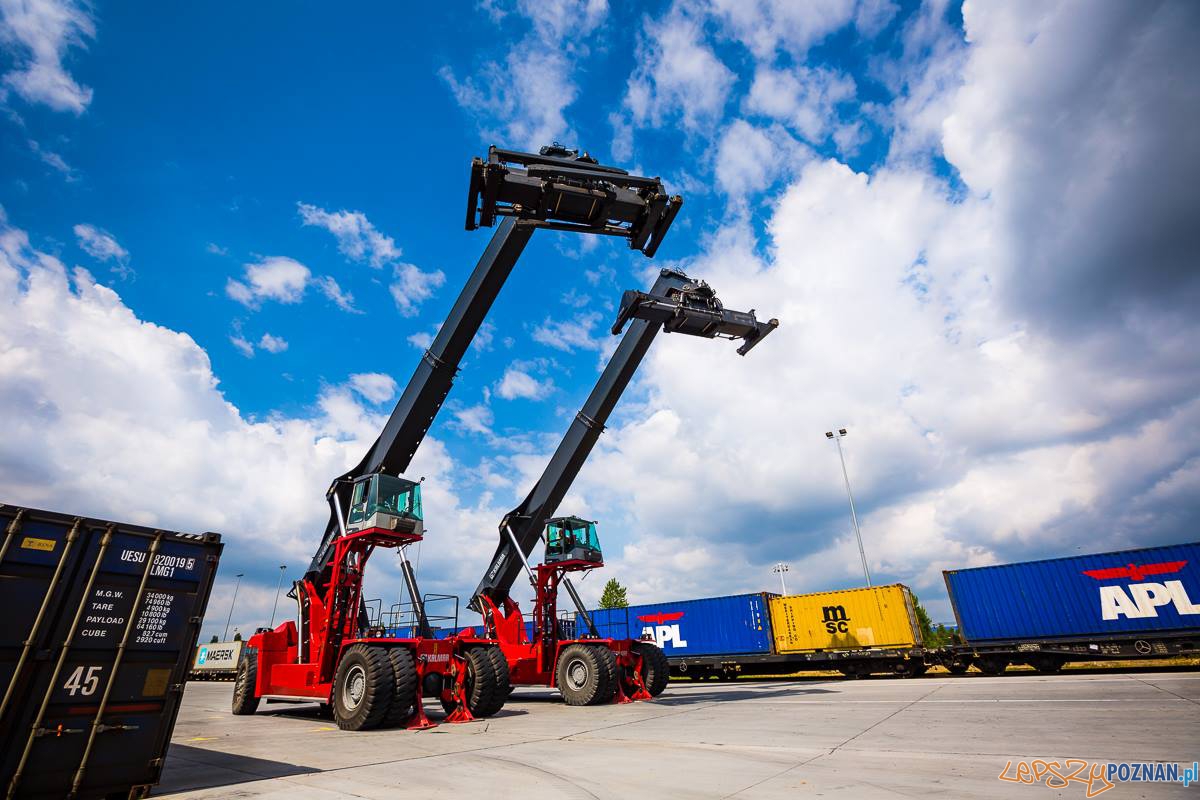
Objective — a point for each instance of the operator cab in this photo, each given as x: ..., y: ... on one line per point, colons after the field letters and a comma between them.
x: 571, y: 539
x: 386, y: 502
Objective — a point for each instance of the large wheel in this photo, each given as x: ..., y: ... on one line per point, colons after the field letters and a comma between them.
x: 487, y: 683
x: 583, y: 675
x: 405, y: 694
x: 959, y: 668
x: 363, y: 688
x: 612, y: 674
x: 656, y: 671
x: 245, y: 699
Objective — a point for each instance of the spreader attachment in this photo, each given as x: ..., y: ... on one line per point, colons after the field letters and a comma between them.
x: 563, y: 190
x: 693, y: 309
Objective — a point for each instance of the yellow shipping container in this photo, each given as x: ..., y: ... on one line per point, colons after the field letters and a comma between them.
x: 853, y: 619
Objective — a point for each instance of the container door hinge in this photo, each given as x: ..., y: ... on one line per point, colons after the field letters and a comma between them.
x: 118, y: 727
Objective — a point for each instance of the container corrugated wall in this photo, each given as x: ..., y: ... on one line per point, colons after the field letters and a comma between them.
x: 732, y: 625
x: 78, y: 709
x: 853, y: 619
x: 1150, y: 590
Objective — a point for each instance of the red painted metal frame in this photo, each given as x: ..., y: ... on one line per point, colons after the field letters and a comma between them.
x: 534, y: 662
x: 333, y: 628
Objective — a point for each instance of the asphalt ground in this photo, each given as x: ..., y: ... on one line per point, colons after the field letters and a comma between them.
x: 934, y: 736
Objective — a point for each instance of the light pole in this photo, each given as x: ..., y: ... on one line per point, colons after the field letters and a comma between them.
x: 853, y: 515
x: 278, y: 586
x: 225, y: 636
x: 781, y: 568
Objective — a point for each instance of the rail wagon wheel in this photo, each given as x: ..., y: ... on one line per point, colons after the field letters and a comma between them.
x: 656, y: 670
x: 404, y: 697
x: 582, y: 675
x: 363, y: 688
x: 992, y: 665
x: 245, y: 701
x: 959, y: 668
x: 487, y: 684
x: 1047, y: 665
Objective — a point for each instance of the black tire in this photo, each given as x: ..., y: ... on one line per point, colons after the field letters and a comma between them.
x: 959, y: 669
x: 363, y: 688
x: 851, y: 672
x: 992, y: 666
x: 245, y: 701
x: 612, y: 674
x: 582, y: 675
x: 487, y: 682
x: 656, y: 670
x: 404, y: 670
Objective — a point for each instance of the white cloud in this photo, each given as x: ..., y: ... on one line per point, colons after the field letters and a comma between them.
x: 272, y: 343
x: 40, y: 32
x: 421, y: 340
x: 750, y: 158
x: 270, y: 278
x: 569, y: 334
x: 805, y: 99
x: 242, y: 344
x: 375, y: 387
x: 357, y: 238
x: 330, y: 288
x: 517, y: 383
x: 765, y: 26
x: 477, y: 418
x: 54, y: 160
x: 100, y: 244
x: 521, y: 99
x: 411, y: 287
x: 216, y: 250
x: 678, y: 74
x: 173, y: 452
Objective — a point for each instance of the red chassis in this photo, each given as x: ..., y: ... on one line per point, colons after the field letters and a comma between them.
x: 304, y: 663
x: 539, y: 662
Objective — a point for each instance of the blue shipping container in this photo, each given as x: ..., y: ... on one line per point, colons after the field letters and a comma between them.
x: 734, y: 625
x: 1151, y: 590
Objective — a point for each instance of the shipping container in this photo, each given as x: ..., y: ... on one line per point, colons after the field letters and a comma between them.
x: 96, y: 640
x: 852, y: 619
x: 737, y: 624
x: 1132, y: 594
x: 216, y: 660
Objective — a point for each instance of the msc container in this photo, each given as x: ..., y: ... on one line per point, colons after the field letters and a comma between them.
x: 98, y: 628
x: 1129, y: 594
x: 852, y: 619
x: 713, y: 626
x: 217, y: 660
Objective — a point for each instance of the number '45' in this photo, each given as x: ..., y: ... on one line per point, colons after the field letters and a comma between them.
x: 84, y: 683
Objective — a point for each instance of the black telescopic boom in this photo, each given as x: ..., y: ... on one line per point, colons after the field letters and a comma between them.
x: 557, y: 189
x: 429, y: 385
x: 675, y: 303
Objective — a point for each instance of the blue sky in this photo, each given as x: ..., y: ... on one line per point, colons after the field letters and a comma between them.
x: 972, y: 223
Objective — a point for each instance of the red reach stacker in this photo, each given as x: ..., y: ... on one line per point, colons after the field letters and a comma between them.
x: 585, y: 668
x: 332, y: 653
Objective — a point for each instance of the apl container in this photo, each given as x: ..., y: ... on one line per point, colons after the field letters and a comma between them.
x: 853, y: 619
x: 97, y: 633
x: 732, y: 625
x: 1128, y: 593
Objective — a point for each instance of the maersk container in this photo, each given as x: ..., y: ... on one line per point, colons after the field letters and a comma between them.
x: 734, y: 625
x: 851, y: 619
x: 98, y: 628
x: 1154, y: 590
